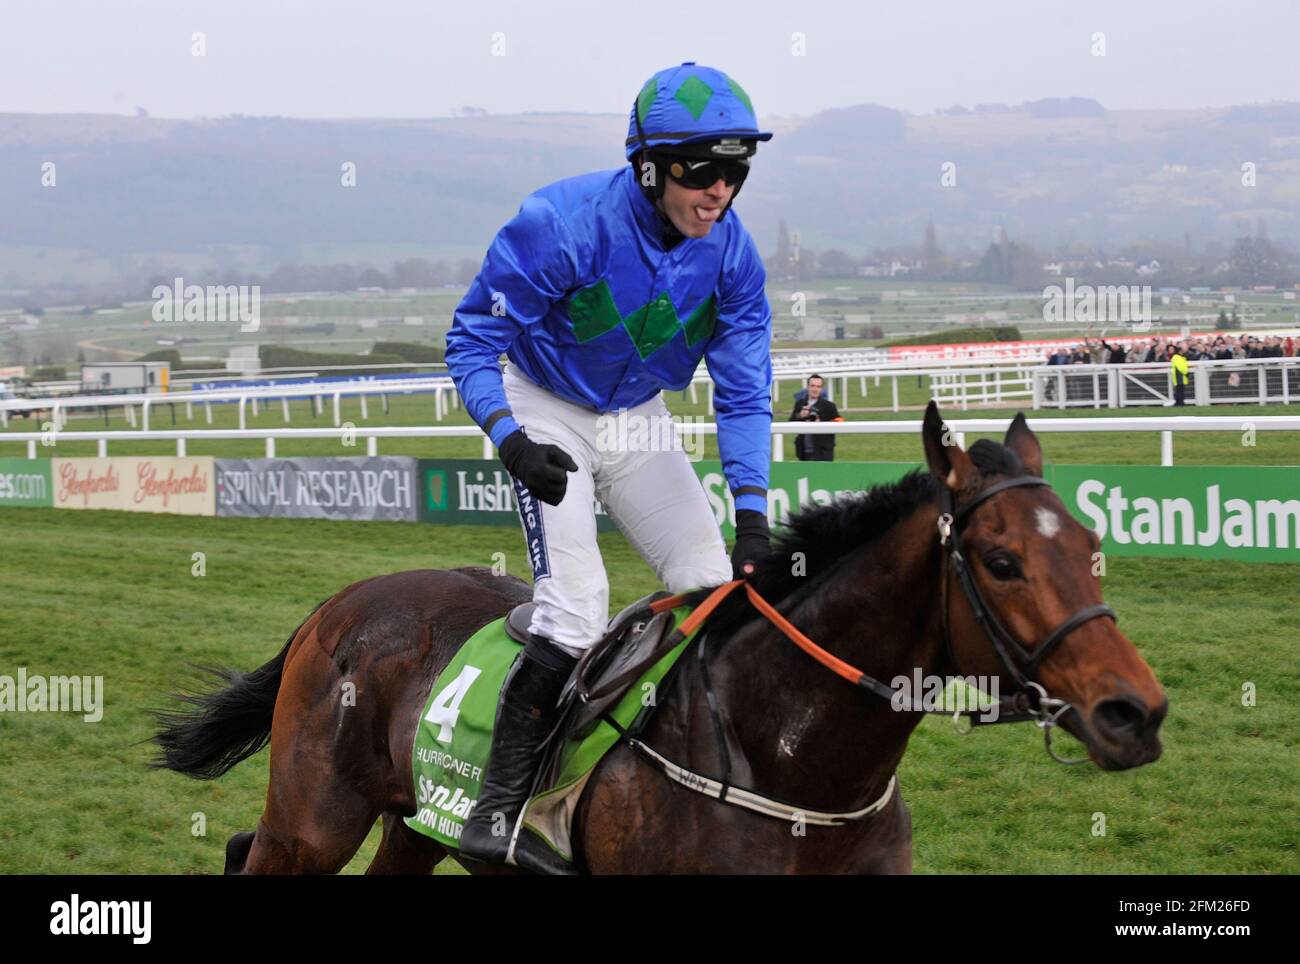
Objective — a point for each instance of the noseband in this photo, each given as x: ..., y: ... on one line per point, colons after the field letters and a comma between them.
x: 1031, y: 701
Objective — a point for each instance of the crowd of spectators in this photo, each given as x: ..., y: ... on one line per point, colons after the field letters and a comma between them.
x: 1159, y: 349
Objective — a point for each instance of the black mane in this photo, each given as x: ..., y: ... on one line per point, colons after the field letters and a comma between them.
x: 826, y: 534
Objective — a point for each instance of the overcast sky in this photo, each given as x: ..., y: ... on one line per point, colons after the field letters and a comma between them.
x: 425, y: 58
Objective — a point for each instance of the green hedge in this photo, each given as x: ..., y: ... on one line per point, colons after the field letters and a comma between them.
x: 956, y: 336
x: 409, y: 351
x: 282, y: 356
x: 174, y: 361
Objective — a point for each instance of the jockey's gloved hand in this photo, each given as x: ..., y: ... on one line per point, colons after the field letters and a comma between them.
x: 752, y: 542
x: 543, y: 468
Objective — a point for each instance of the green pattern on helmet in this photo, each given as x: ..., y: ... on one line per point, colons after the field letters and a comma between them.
x: 646, y: 98
x: 653, y: 325
x: 694, y: 95
x: 741, y: 95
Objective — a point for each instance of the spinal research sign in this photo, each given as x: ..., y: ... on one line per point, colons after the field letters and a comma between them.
x: 358, y: 487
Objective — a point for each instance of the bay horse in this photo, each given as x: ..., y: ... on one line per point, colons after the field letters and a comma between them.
x: 870, y: 578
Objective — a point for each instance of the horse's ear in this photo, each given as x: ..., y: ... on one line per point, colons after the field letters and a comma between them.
x: 1025, y: 444
x: 948, y: 462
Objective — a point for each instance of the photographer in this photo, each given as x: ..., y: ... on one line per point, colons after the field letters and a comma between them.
x: 813, y: 406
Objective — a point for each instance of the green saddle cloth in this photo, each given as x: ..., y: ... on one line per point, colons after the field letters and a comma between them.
x: 455, y: 735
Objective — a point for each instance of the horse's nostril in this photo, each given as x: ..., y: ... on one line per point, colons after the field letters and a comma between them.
x: 1119, y: 717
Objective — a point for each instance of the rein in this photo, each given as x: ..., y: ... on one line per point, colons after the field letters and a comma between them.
x: 1031, y: 701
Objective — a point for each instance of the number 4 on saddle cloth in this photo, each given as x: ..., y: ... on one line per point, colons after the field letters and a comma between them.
x: 613, y: 684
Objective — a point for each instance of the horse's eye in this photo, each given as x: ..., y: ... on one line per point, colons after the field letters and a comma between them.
x: 1002, y: 567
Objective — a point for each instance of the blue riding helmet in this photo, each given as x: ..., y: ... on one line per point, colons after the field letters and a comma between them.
x: 693, y: 105
x: 695, y: 112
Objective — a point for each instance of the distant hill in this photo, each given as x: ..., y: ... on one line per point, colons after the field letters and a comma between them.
x: 139, y: 193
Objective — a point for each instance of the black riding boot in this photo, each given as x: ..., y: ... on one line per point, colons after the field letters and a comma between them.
x: 525, y: 716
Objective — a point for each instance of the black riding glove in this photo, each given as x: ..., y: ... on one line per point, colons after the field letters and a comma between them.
x: 752, y: 542
x: 542, y: 468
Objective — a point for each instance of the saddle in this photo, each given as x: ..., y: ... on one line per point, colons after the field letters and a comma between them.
x: 634, y: 640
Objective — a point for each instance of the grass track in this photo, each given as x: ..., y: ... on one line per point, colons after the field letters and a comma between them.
x: 111, y: 594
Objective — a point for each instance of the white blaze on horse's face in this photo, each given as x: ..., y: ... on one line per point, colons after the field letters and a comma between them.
x: 1049, y: 523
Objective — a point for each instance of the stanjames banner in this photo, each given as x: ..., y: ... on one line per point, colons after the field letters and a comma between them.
x: 346, y: 487
x: 1207, y: 512
x: 135, y: 484
x: 26, y: 482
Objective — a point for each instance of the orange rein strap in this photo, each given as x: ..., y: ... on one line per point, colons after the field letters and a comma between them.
x: 704, y: 609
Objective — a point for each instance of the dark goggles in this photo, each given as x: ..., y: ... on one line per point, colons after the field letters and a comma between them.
x: 698, y: 174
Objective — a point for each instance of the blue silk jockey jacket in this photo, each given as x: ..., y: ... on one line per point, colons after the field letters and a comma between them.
x: 579, y: 292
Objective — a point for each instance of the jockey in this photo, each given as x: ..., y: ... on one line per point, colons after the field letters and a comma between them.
x: 604, y: 290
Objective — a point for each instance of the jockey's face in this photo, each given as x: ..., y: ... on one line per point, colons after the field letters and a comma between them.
x: 693, y: 212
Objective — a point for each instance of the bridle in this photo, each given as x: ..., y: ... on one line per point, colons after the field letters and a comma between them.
x: 1031, y: 701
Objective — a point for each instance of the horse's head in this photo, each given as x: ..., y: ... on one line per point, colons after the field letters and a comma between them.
x: 1035, y: 568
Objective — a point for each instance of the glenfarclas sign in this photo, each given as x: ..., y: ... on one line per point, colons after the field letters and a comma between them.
x: 152, y: 484
x: 80, y: 483
x: 136, y: 484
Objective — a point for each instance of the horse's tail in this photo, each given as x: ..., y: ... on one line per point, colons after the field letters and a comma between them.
x: 224, y: 726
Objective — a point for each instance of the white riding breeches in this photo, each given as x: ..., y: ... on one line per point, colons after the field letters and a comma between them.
x: 633, y: 465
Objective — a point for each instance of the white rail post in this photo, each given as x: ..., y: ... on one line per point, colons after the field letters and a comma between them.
x: 101, y: 449
x: 365, y: 415
x: 487, y: 447
x: 338, y: 414
x: 372, y: 446
x: 243, y: 423
x: 284, y: 406
x: 180, y: 448
x: 208, y: 406
x: 31, y: 448
x: 778, y: 450
x: 895, y: 381
x: 255, y: 407
x: 270, y: 447
x: 1166, y: 448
